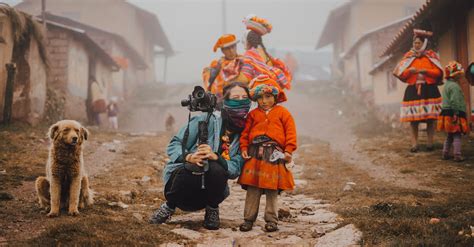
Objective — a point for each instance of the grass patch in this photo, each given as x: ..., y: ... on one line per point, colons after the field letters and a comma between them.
x: 389, y: 215
x: 97, y: 230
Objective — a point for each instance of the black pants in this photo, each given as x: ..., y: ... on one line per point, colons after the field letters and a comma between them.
x: 183, y: 189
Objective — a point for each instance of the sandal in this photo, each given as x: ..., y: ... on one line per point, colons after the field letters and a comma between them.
x: 414, y: 149
x: 271, y: 227
x: 246, y: 226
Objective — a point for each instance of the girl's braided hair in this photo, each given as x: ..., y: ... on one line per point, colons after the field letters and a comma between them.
x: 254, y: 40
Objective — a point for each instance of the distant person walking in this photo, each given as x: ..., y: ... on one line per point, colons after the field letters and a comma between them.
x: 453, y: 117
x: 99, y: 104
x: 421, y: 69
x: 112, y: 113
x: 169, y: 122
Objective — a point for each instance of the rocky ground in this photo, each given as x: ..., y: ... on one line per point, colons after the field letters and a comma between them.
x: 356, y: 185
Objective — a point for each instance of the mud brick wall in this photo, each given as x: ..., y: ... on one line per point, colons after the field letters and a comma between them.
x: 57, y: 46
x: 64, y: 103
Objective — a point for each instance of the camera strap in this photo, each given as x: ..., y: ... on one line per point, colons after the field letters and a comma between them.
x: 185, y: 139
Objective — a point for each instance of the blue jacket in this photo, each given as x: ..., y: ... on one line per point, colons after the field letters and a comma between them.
x: 174, y: 150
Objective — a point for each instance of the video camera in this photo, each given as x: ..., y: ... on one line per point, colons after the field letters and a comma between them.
x: 200, y: 100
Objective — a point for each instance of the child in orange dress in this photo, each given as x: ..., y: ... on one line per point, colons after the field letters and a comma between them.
x: 267, y: 143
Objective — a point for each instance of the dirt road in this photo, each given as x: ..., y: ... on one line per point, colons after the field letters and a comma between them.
x: 345, y: 182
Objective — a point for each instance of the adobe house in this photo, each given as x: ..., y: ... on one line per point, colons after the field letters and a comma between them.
x: 350, y: 21
x: 138, y: 27
x: 124, y: 81
x: 364, y: 53
x: 452, y: 22
x: 21, y: 43
x: 74, y: 58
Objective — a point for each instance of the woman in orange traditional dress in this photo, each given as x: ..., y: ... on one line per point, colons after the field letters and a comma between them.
x: 225, y: 70
x: 421, y: 70
x: 267, y: 143
x: 256, y: 60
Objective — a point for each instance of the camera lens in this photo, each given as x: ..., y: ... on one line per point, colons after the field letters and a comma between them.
x: 200, y: 94
x: 185, y: 102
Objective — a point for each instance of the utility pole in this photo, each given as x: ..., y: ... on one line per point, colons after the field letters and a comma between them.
x: 224, y: 17
x: 43, y: 14
x: 165, y: 69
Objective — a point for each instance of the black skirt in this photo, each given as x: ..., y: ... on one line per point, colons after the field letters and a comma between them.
x: 421, y: 105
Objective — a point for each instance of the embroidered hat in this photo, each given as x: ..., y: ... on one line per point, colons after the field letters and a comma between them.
x: 259, y: 25
x: 263, y: 84
x: 224, y: 41
x: 453, y: 69
x: 422, y: 33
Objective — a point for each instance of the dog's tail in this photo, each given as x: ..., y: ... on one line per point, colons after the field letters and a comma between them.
x: 90, y: 198
x: 87, y: 194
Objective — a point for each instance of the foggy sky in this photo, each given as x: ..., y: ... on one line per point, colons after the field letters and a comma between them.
x: 193, y: 26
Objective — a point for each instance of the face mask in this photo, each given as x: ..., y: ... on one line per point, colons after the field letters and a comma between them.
x: 234, y: 113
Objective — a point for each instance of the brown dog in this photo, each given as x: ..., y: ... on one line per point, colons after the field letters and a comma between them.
x: 66, y: 184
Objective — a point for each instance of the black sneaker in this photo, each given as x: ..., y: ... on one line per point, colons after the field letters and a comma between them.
x: 211, y: 218
x: 162, y: 214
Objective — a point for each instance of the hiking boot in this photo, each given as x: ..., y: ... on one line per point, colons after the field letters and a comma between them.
x: 162, y: 214
x: 414, y: 149
x: 211, y: 218
x: 246, y: 226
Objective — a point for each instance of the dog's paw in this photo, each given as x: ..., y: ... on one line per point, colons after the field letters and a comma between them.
x: 53, y: 214
x: 73, y: 212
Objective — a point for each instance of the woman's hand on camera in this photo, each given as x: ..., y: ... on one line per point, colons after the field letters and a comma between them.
x: 196, y: 158
x: 207, y: 151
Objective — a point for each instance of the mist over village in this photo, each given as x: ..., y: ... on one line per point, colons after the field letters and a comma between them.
x: 236, y: 122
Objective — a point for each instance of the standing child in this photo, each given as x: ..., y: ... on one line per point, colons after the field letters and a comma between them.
x: 453, y: 119
x: 112, y: 113
x: 267, y: 143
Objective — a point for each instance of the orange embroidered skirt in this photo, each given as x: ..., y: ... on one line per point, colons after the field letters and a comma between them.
x: 266, y: 175
x: 421, y: 106
x: 448, y: 124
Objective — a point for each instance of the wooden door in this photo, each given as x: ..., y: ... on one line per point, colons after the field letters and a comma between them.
x: 462, y: 55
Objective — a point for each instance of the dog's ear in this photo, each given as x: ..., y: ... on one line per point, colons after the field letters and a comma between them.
x: 85, y: 133
x: 53, y: 130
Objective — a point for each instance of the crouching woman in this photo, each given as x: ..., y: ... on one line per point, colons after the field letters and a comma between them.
x: 186, y: 190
